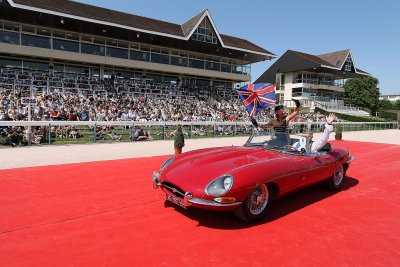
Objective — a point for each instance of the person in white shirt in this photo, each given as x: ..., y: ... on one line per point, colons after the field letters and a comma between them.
x: 317, y: 145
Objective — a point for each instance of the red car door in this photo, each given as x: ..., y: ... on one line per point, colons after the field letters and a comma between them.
x: 294, y: 174
x: 319, y: 167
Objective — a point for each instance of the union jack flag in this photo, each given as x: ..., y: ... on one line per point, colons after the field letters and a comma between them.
x: 257, y: 96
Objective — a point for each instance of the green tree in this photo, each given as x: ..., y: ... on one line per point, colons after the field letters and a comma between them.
x: 363, y: 92
x: 385, y: 104
x: 396, y: 104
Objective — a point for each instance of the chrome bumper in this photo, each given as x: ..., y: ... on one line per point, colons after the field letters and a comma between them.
x: 189, y: 200
x: 209, y: 203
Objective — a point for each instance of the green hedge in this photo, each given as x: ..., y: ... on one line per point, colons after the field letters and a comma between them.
x: 347, y: 117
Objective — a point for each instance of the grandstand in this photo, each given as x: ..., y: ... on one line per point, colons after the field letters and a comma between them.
x: 67, y: 47
x: 317, y: 80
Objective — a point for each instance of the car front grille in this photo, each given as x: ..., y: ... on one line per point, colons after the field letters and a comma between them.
x: 173, y: 189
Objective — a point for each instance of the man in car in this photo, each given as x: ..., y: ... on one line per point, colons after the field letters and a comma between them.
x: 321, y: 143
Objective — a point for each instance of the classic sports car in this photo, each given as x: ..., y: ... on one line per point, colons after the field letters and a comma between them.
x: 246, y: 179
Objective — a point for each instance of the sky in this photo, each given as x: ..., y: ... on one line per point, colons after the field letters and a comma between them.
x: 370, y: 28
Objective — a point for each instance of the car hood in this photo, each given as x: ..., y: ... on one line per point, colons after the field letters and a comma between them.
x: 198, y: 168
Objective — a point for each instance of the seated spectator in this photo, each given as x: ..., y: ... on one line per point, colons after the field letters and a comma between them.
x: 14, y: 137
x: 113, y: 134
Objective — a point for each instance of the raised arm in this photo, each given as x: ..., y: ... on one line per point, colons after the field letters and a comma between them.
x: 317, y: 145
x: 295, y: 112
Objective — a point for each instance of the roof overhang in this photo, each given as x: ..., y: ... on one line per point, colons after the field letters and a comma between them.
x: 258, y: 56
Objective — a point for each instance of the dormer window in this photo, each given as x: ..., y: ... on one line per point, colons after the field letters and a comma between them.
x: 205, y: 33
x: 348, y: 63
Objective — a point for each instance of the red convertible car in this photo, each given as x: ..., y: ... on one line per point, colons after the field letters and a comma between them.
x: 247, y: 179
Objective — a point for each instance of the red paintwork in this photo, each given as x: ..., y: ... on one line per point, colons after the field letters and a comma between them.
x: 193, y: 171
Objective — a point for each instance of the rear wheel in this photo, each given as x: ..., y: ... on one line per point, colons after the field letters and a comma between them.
x: 337, y: 178
x: 256, y: 205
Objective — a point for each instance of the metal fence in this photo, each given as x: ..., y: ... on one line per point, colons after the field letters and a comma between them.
x: 75, y: 132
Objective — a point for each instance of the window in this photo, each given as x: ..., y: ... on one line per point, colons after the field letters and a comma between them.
x: 91, y: 49
x: 9, y: 37
x: 213, y: 66
x: 204, y: 33
x: 117, y: 52
x: 35, y: 41
x: 35, y: 66
x: 139, y: 55
x: 179, y: 61
x: 195, y: 63
x: 159, y: 58
x: 10, y: 63
x: 202, y: 82
x: 65, y: 45
x: 11, y: 26
x: 226, y: 68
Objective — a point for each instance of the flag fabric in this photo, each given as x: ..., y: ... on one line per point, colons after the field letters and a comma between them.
x: 257, y: 96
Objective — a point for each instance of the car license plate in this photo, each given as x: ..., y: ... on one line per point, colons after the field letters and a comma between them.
x: 176, y: 200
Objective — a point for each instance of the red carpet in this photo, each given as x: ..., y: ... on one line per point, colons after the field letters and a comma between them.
x: 107, y: 214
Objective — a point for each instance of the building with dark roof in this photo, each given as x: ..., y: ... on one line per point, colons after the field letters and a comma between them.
x: 71, y: 38
x: 311, y: 77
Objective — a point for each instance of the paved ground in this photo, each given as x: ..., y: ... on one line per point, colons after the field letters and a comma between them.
x: 52, y: 155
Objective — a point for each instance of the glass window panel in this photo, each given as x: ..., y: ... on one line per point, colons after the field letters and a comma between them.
x: 155, y: 77
x: 65, y: 45
x: 72, y: 36
x: 112, y: 42
x: 164, y: 51
x: 170, y: 79
x: 124, y: 74
x: 59, y: 34
x: 98, y: 40
x: 59, y: 68
x: 30, y: 29
x: 213, y: 66
x: 123, y: 44
x: 35, y: 41
x: 43, y: 31
x: 174, y: 52
x: 87, y: 38
x: 158, y: 58
x: 179, y: 61
x: 76, y: 69
x: 202, y: 82
x: 226, y: 68
x: 10, y: 63
x: 117, y: 52
x: 238, y: 69
x: 135, y: 46
x: 155, y: 50
x: 36, y: 66
x: 194, y: 63
x: 97, y: 50
x: 139, y: 55
x: 11, y: 26
x: 145, y: 48
x: 9, y: 37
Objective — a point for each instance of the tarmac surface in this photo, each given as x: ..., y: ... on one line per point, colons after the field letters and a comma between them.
x: 61, y: 154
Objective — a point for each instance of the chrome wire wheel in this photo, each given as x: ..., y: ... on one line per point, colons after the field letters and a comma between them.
x: 338, y: 176
x: 258, y: 200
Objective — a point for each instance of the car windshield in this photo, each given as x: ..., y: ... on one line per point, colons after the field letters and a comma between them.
x: 281, y: 142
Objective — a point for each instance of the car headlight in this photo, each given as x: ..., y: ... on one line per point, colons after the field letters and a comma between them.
x: 220, y: 186
x: 166, y: 163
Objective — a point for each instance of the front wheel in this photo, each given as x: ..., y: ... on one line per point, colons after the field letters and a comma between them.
x: 337, y: 178
x: 256, y: 205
